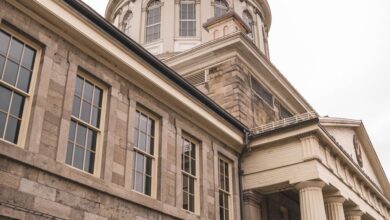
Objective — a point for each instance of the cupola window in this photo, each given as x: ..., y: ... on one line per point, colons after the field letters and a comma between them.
x: 187, y: 18
x: 247, y: 17
x: 153, y: 21
x: 220, y: 8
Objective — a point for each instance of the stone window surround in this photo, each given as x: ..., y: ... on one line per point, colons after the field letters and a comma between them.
x: 24, y: 138
x: 155, y: 167
x: 221, y: 152
x: 66, y: 118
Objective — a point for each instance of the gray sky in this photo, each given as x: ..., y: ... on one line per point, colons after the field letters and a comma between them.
x: 336, y: 53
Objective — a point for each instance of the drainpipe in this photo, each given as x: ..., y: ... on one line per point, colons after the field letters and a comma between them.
x: 241, y: 172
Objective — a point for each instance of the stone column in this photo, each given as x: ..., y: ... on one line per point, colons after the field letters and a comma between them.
x: 311, y: 200
x: 334, y: 207
x: 252, y: 206
x: 353, y: 214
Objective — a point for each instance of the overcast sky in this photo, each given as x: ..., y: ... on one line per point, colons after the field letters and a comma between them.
x: 337, y: 54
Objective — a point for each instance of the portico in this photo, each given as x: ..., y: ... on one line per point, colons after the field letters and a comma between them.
x: 308, y: 161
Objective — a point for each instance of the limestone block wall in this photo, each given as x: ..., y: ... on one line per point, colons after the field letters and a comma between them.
x: 229, y: 85
x: 34, y: 179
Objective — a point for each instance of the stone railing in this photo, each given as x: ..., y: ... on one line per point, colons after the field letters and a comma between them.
x: 284, y: 122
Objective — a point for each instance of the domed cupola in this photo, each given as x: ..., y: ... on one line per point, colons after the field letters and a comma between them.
x: 169, y: 27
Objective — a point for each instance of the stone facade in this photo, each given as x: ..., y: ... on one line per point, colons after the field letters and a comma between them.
x: 36, y: 183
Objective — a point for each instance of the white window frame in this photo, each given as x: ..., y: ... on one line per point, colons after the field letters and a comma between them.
x: 27, y: 108
x: 197, y: 171
x: 100, y: 131
x: 153, y: 4
x: 193, y: 20
x: 230, y: 192
x: 154, y: 157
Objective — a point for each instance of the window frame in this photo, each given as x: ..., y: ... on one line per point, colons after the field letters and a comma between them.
x: 193, y: 20
x: 231, y: 190
x: 159, y: 23
x: 154, y: 157
x: 197, y: 172
x: 29, y: 96
x: 219, y: 6
x: 100, y: 137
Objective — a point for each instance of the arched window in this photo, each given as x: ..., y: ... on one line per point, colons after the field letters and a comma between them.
x: 187, y: 18
x: 153, y: 21
x: 126, y: 24
x: 220, y: 8
x: 247, y: 17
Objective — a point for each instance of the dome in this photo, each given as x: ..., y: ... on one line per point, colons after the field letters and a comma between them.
x: 168, y: 27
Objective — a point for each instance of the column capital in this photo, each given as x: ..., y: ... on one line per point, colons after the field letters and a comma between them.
x: 353, y: 213
x: 334, y: 199
x: 250, y: 196
x: 311, y: 183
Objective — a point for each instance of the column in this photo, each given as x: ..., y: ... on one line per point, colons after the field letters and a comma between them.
x: 334, y: 207
x: 353, y: 214
x: 252, y: 206
x: 311, y: 200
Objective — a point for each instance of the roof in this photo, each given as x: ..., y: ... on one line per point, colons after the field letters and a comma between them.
x: 130, y: 44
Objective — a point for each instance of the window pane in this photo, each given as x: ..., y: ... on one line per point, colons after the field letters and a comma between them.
x: 148, y: 170
x: 95, y: 117
x: 191, y: 185
x: 221, y: 203
x: 2, y: 63
x: 142, y: 141
x: 76, y: 106
x: 79, y: 86
x: 221, y: 213
x: 2, y: 123
x: 140, y: 166
x: 24, y: 79
x: 138, y: 182
x: 150, y: 146
x: 72, y: 131
x: 143, y: 123
x: 28, y: 57
x: 10, y: 72
x: 69, y: 153
x: 226, y: 214
x: 12, y: 130
x: 4, y: 42
x: 5, y: 98
x: 89, y: 161
x: 97, y: 99
x: 186, y: 164
x: 91, y: 140
x: 16, y: 50
x: 191, y: 203
x: 136, y: 137
x: 193, y: 167
x: 148, y: 185
x: 85, y: 112
x: 185, y: 183
x: 185, y: 201
x: 78, y: 157
x: 81, y: 135
x: 17, y: 105
x: 88, y: 92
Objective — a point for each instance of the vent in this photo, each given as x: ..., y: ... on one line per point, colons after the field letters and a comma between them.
x: 197, y: 78
x: 262, y: 92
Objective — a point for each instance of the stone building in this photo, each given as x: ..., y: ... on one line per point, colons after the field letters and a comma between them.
x: 167, y: 109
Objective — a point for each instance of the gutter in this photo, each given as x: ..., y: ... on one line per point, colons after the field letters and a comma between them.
x: 130, y: 44
x: 241, y: 173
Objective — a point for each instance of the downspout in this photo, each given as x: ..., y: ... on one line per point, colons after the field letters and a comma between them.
x: 241, y: 172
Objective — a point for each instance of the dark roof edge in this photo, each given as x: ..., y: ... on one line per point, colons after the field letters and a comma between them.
x: 98, y: 20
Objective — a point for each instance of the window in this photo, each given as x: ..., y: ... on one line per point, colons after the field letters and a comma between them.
x: 284, y: 113
x: 153, y: 20
x: 247, y: 17
x: 144, y: 152
x: 220, y: 8
x: 187, y: 18
x: 224, y: 189
x: 16, y: 67
x: 262, y: 92
x: 85, y: 125
x: 189, y: 171
x: 126, y: 25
